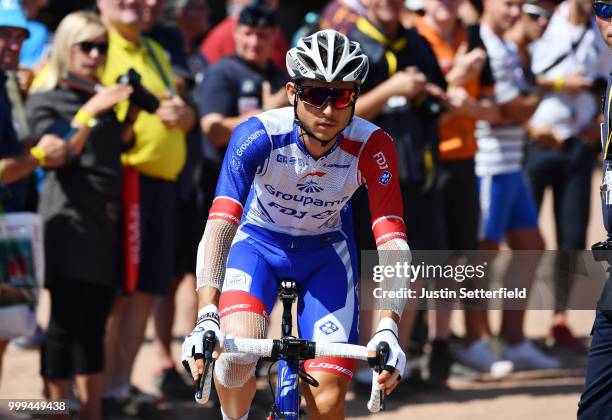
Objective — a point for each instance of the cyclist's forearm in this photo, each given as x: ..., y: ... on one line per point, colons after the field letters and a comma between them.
x: 394, y: 253
x: 212, y: 253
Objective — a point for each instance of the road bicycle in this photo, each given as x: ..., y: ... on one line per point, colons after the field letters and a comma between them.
x: 288, y: 352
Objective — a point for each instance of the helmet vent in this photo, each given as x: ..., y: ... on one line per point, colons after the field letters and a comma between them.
x: 351, y: 66
x: 307, y: 61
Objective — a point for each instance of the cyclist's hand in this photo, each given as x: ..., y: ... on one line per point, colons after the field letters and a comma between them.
x: 193, y: 346
x: 396, y: 361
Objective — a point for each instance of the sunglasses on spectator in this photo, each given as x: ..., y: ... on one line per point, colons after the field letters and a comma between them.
x: 536, y: 12
x: 88, y: 46
x: 318, y: 96
x: 602, y: 10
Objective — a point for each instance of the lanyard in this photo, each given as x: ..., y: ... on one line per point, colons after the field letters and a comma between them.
x: 392, y: 46
x: 608, y: 124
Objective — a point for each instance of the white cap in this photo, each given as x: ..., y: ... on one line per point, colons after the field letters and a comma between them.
x: 414, y: 5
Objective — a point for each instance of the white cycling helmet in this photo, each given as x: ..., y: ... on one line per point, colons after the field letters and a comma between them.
x: 328, y: 56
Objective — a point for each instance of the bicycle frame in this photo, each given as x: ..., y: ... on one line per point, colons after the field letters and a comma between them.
x: 287, y: 399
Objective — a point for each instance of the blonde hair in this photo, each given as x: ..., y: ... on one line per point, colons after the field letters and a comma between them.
x: 74, y: 28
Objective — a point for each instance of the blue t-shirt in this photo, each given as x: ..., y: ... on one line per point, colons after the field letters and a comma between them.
x: 12, y: 196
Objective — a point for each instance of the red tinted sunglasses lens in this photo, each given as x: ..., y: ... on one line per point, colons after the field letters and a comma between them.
x: 317, y: 96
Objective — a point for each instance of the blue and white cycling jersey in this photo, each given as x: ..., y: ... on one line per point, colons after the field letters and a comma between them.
x: 270, y: 180
x: 289, y: 207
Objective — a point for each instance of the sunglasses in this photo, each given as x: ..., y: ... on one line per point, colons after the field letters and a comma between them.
x: 536, y: 12
x: 88, y: 46
x: 318, y: 96
x: 602, y: 10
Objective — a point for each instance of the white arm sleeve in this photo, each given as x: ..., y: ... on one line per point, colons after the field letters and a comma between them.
x: 212, y: 253
x: 391, y: 253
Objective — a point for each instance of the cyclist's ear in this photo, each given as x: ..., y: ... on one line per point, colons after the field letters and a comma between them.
x: 291, y: 91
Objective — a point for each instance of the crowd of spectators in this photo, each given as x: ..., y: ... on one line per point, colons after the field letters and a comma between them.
x: 489, y: 104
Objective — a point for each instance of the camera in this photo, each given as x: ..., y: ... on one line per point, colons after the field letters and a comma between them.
x: 433, y: 106
x: 602, y: 251
x: 140, y: 96
x: 599, y: 85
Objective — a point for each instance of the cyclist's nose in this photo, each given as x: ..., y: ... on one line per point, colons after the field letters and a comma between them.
x: 328, y: 107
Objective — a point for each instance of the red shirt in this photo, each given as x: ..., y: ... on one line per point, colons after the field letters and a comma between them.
x: 220, y: 43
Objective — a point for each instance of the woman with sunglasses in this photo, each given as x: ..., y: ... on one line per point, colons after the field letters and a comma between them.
x: 295, y: 169
x: 80, y: 204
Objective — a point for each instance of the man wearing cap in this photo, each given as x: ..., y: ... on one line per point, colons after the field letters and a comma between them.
x: 596, y: 399
x: 242, y: 85
x: 50, y: 150
x: 219, y: 42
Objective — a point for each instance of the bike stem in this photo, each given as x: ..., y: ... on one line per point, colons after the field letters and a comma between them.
x: 288, y: 295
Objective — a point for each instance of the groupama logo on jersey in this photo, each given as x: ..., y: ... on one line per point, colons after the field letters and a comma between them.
x: 309, y: 187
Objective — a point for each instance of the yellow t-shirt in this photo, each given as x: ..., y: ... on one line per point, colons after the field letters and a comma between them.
x: 158, y: 151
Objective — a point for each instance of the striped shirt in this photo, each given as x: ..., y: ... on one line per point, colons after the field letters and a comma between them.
x: 500, y: 147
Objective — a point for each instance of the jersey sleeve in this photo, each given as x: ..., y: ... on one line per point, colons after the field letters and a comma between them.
x: 248, y: 150
x: 378, y: 168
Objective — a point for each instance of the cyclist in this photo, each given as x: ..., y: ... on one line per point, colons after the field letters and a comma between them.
x: 282, y: 195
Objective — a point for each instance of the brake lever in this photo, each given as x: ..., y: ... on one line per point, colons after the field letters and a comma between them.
x: 209, y: 345
x: 382, y: 353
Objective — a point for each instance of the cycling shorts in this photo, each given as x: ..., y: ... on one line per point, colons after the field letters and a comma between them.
x: 324, y: 268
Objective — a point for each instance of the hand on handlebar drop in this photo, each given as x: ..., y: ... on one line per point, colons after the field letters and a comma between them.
x: 396, y: 361
x: 193, y: 346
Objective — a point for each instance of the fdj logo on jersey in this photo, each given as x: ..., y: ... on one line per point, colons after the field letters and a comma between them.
x: 309, y: 187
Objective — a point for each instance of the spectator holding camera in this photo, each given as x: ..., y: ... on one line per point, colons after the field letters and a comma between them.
x: 402, y: 94
x: 156, y: 159
x: 81, y: 207
x: 462, y: 61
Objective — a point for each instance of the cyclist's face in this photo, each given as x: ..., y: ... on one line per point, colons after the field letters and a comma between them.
x: 325, y: 121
